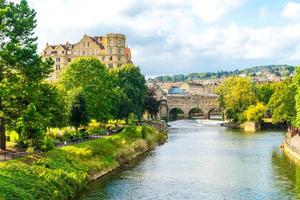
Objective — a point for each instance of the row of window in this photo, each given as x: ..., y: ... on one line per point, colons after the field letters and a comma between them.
x: 110, y: 58
x: 58, y: 67
x: 84, y: 52
x: 58, y: 60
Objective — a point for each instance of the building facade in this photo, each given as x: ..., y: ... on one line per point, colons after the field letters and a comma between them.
x: 110, y: 49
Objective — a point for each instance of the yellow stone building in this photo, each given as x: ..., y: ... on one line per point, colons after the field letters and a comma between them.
x: 110, y: 49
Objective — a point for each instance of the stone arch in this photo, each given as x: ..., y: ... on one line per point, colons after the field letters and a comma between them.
x: 176, y: 113
x: 214, y: 113
x: 196, y: 113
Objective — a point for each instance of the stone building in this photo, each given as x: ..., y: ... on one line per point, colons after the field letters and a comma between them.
x: 110, y: 49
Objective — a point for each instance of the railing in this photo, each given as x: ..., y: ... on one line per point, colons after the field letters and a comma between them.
x: 78, y: 140
x: 7, y: 155
x: 4, y: 156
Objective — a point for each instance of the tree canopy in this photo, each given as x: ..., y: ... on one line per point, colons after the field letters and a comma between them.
x: 236, y: 95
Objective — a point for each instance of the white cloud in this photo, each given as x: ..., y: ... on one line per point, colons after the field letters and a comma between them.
x: 172, y: 36
x: 291, y: 11
x: 213, y: 10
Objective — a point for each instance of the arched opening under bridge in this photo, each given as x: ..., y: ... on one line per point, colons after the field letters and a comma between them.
x: 196, y: 113
x: 215, y: 114
x: 175, y: 114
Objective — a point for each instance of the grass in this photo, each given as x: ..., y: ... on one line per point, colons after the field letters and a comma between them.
x: 63, y: 173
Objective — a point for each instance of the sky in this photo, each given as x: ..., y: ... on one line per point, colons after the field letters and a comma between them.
x: 181, y: 36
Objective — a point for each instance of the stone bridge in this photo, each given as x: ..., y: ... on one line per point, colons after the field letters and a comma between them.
x: 207, y: 104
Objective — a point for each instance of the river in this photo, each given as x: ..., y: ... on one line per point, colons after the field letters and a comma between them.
x: 203, y: 160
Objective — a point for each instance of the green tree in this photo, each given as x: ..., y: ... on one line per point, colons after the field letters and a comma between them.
x: 151, y: 104
x: 30, y: 127
x: 52, y: 104
x: 236, y: 94
x: 90, y: 77
x: 21, y: 69
x: 296, y: 82
x: 282, y: 102
x: 264, y: 92
x: 133, y: 84
x: 78, y: 115
x: 255, y: 113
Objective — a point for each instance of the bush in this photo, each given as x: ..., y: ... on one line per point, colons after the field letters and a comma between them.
x: 94, y: 127
x: 30, y: 127
x: 47, y: 144
x: 255, y: 113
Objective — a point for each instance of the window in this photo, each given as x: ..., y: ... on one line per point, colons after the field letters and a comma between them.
x: 88, y: 44
x: 57, y: 67
x: 57, y: 59
x: 110, y: 58
x: 83, y: 44
x: 120, y: 50
x: 119, y: 58
x: 62, y: 52
x: 110, y: 50
x: 103, y: 58
x: 83, y: 52
x: 110, y: 65
x: 69, y: 59
x: 78, y: 52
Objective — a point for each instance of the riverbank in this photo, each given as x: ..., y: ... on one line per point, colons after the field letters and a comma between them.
x: 63, y: 173
x: 291, y: 146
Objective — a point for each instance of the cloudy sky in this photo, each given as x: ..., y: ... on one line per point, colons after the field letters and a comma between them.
x: 181, y: 36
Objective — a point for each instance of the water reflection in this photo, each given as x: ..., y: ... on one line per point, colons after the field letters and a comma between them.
x: 203, y: 160
x: 286, y: 176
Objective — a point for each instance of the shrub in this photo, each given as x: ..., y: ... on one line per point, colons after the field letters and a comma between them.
x: 47, y: 144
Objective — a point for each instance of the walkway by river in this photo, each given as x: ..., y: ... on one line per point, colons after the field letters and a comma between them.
x: 203, y: 160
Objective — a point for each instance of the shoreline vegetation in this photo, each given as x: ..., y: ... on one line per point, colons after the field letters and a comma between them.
x: 63, y: 173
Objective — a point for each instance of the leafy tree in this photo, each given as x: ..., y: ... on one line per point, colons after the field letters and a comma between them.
x: 21, y: 69
x: 78, y: 114
x: 296, y: 82
x: 255, y: 113
x: 52, y: 105
x: 282, y: 102
x: 151, y: 103
x: 264, y: 92
x: 236, y: 95
x: 133, y: 84
x: 30, y: 127
x: 91, y: 78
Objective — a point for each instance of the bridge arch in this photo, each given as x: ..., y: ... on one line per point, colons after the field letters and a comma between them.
x: 176, y: 113
x: 214, y: 113
x: 196, y: 113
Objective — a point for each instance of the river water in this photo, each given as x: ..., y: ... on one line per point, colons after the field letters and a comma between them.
x: 203, y: 160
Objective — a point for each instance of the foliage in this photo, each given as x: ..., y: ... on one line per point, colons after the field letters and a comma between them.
x: 78, y: 115
x: 255, y: 113
x: 296, y: 82
x: 21, y: 68
x: 63, y: 173
x: 282, y: 102
x: 89, y: 77
x: 264, y: 92
x: 277, y: 70
x: 30, y: 127
x: 236, y: 95
x: 151, y: 104
x: 132, y: 83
